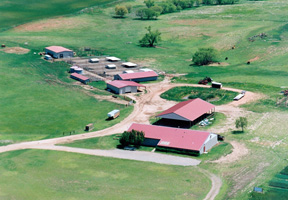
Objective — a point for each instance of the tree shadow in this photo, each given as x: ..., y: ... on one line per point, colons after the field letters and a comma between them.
x: 237, y: 132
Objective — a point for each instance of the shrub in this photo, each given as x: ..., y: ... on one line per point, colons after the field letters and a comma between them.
x: 205, y: 56
x: 121, y: 11
x: 150, y: 38
x: 147, y: 13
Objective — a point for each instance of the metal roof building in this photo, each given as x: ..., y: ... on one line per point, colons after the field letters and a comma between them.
x: 188, y: 110
x: 121, y: 87
x: 176, y: 138
x: 79, y: 77
x: 59, y: 52
x: 137, y: 76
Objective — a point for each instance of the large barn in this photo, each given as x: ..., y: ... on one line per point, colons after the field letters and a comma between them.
x: 137, y: 76
x: 121, y: 87
x: 188, y: 111
x: 193, y: 141
x: 58, y: 52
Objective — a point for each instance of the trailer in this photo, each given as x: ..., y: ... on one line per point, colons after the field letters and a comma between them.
x: 216, y: 85
x: 240, y: 96
x: 114, y: 114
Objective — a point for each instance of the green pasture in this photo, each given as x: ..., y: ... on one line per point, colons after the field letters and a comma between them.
x: 39, y: 174
x: 212, y: 95
x: 39, y: 101
x: 19, y: 12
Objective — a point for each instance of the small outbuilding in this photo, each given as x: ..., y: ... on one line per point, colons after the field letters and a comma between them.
x: 216, y: 85
x: 94, y: 60
x: 122, y: 87
x: 59, y: 52
x: 187, y: 140
x: 112, y: 59
x: 129, y: 64
x: 137, y: 76
x: 79, y: 77
x: 111, y: 66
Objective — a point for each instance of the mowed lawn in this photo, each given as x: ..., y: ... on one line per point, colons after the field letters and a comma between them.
x: 15, y: 12
x: 39, y: 174
x: 38, y: 100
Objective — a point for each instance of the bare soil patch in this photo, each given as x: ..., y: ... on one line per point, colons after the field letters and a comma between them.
x: 254, y: 59
x: 16, y: 50
x: 49, y: 24
x: 239, y: 150
x: 216, y: 64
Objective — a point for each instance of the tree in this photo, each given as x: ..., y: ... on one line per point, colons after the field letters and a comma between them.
x: 149, y: 3
x: 205, y: 56
x: 148, y: 13
x: 132, y: 137
x: 121, y: 11
x: 241, y: 122
x: 150, y: 38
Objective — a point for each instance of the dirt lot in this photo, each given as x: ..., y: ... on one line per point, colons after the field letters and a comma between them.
x: 100, y: 67
x: 16, y: 50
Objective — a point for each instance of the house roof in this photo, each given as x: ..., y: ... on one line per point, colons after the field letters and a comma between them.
x: 57, y: 49
x: 121, y: 84
x: 173, y: 137
x: 79, y: 76
x: 128, y: 76
x: 191, y: 109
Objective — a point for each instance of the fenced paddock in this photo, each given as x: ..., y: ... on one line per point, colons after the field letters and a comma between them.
x: 100, y: 68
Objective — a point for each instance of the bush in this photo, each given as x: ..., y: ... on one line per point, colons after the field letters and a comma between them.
x: 149, y: 3
x: 205, y: 56
x: 132, y: 137
x: 121, y: 11
x: 168, y: 7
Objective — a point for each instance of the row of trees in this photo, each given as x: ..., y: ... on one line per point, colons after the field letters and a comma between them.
x: 153, y: 10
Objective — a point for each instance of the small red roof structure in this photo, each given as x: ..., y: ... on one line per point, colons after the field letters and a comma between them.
x: 57, y: 49
x: 80, y: 77
x: 178, y: 138
x: 136, y: 75
x: 188, y: 110
x: 121, y: 84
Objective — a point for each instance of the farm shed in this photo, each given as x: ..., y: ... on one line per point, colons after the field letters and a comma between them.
x: 129, y: 64
x: 121, y: 87
x: 216, y: 85
x: 189, y: 111
x: 58, y: 52
x: 176, y: 138
x: 79, y: 77
x: 137, y: 76
x: 94, y: 60
x: 112, y: 59
x: 111, y: 66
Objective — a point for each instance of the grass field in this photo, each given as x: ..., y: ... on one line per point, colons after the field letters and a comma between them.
x: 212, y: 95
x: 39, y: 101
x: 19, y: 12
x: 37, y: 174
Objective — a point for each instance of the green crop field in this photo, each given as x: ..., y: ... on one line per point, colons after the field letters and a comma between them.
x: 38, y: 100
x: 38, y: 174
x: 212, y: 95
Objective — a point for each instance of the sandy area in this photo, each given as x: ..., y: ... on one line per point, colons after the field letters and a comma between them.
x: 16, y: 50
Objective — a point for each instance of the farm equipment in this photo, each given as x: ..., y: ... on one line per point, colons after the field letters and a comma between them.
x: 205, y: 81
x: 113, y: 114
x: 240, y: 96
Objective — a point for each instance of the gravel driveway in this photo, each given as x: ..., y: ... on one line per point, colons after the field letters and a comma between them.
x: 129, y: 155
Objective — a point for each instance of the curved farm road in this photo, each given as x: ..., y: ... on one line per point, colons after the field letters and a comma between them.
x: 147, y: 105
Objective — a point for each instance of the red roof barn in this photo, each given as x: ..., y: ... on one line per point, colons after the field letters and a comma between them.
x: 176, y: 138
x: 80, y: 78
x: 188, y: 110
x: 137, y: 76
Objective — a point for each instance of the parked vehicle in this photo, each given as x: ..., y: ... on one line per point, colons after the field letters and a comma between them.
x: 129, y: 148
x: 113, y: 114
